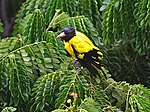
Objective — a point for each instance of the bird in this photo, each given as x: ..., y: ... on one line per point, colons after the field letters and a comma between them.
x: 80, y: 47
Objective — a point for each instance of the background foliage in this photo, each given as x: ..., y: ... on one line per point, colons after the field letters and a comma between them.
x: 36, y: 74
x: 127, y: 40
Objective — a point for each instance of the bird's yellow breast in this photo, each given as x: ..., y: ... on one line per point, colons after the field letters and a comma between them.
x: 81, y: 44
x: 69, y: 49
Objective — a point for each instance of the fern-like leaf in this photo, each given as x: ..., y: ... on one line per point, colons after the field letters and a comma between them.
x: 34, y: 30
x: 139, y: 103
x: 43, y: 92
x: 90, y: 105
x: 73, y: 8
x: 122, y: 29
x: 129, y: 97
x: 19, y: 84
x: 72, y: 83
x: 26, y: 9
x: 21, y: 66
x: 142, y: 13
x: 57, y: 43
x: 8, y: 45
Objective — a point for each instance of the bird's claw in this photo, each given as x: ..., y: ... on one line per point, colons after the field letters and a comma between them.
x: 77, y: 66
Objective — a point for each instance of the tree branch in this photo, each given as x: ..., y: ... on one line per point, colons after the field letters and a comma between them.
x: 6, y: 21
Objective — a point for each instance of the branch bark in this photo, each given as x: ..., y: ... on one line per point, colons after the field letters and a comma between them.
x: 8, y: 22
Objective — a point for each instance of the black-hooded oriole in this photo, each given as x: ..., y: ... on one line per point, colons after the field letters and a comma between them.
x: 79, y: 46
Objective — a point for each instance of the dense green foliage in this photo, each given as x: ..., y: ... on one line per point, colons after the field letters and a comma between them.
x: 36, y: 74
x: 126, y: 40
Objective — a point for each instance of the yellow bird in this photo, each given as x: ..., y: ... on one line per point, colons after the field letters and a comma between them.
x: 79, y: 46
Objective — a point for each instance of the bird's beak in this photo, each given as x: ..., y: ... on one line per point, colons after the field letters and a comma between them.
x: 61, y: 35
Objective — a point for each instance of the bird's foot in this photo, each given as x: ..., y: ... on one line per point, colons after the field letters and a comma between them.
x: 77, y: 66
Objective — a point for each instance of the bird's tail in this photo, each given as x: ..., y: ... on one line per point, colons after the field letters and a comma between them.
x: 92, y: 61
x: 99, y: 71
x: 94, y: 68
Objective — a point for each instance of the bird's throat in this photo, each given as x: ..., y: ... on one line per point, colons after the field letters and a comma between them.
x: 67, y: 38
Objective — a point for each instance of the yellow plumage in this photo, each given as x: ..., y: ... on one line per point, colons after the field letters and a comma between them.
x: 81, y: 44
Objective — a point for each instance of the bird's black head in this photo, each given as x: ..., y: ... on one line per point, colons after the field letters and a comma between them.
x: 67, y: 33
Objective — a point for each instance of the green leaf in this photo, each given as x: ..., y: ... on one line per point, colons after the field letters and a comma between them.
x: 117, y: 4
x: 116, y: 95
x: 9, y: 109
x: 62, y: 97
x: 90, y: 105
x: 140, y: 103
x: 103, y: 7
x: 8, y: 45
x: 34, y: 30
x: 43, y: 92
x: 1, y: 27
x: 60, y: 110
x: 22, y: 66
x: 106, y: 2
